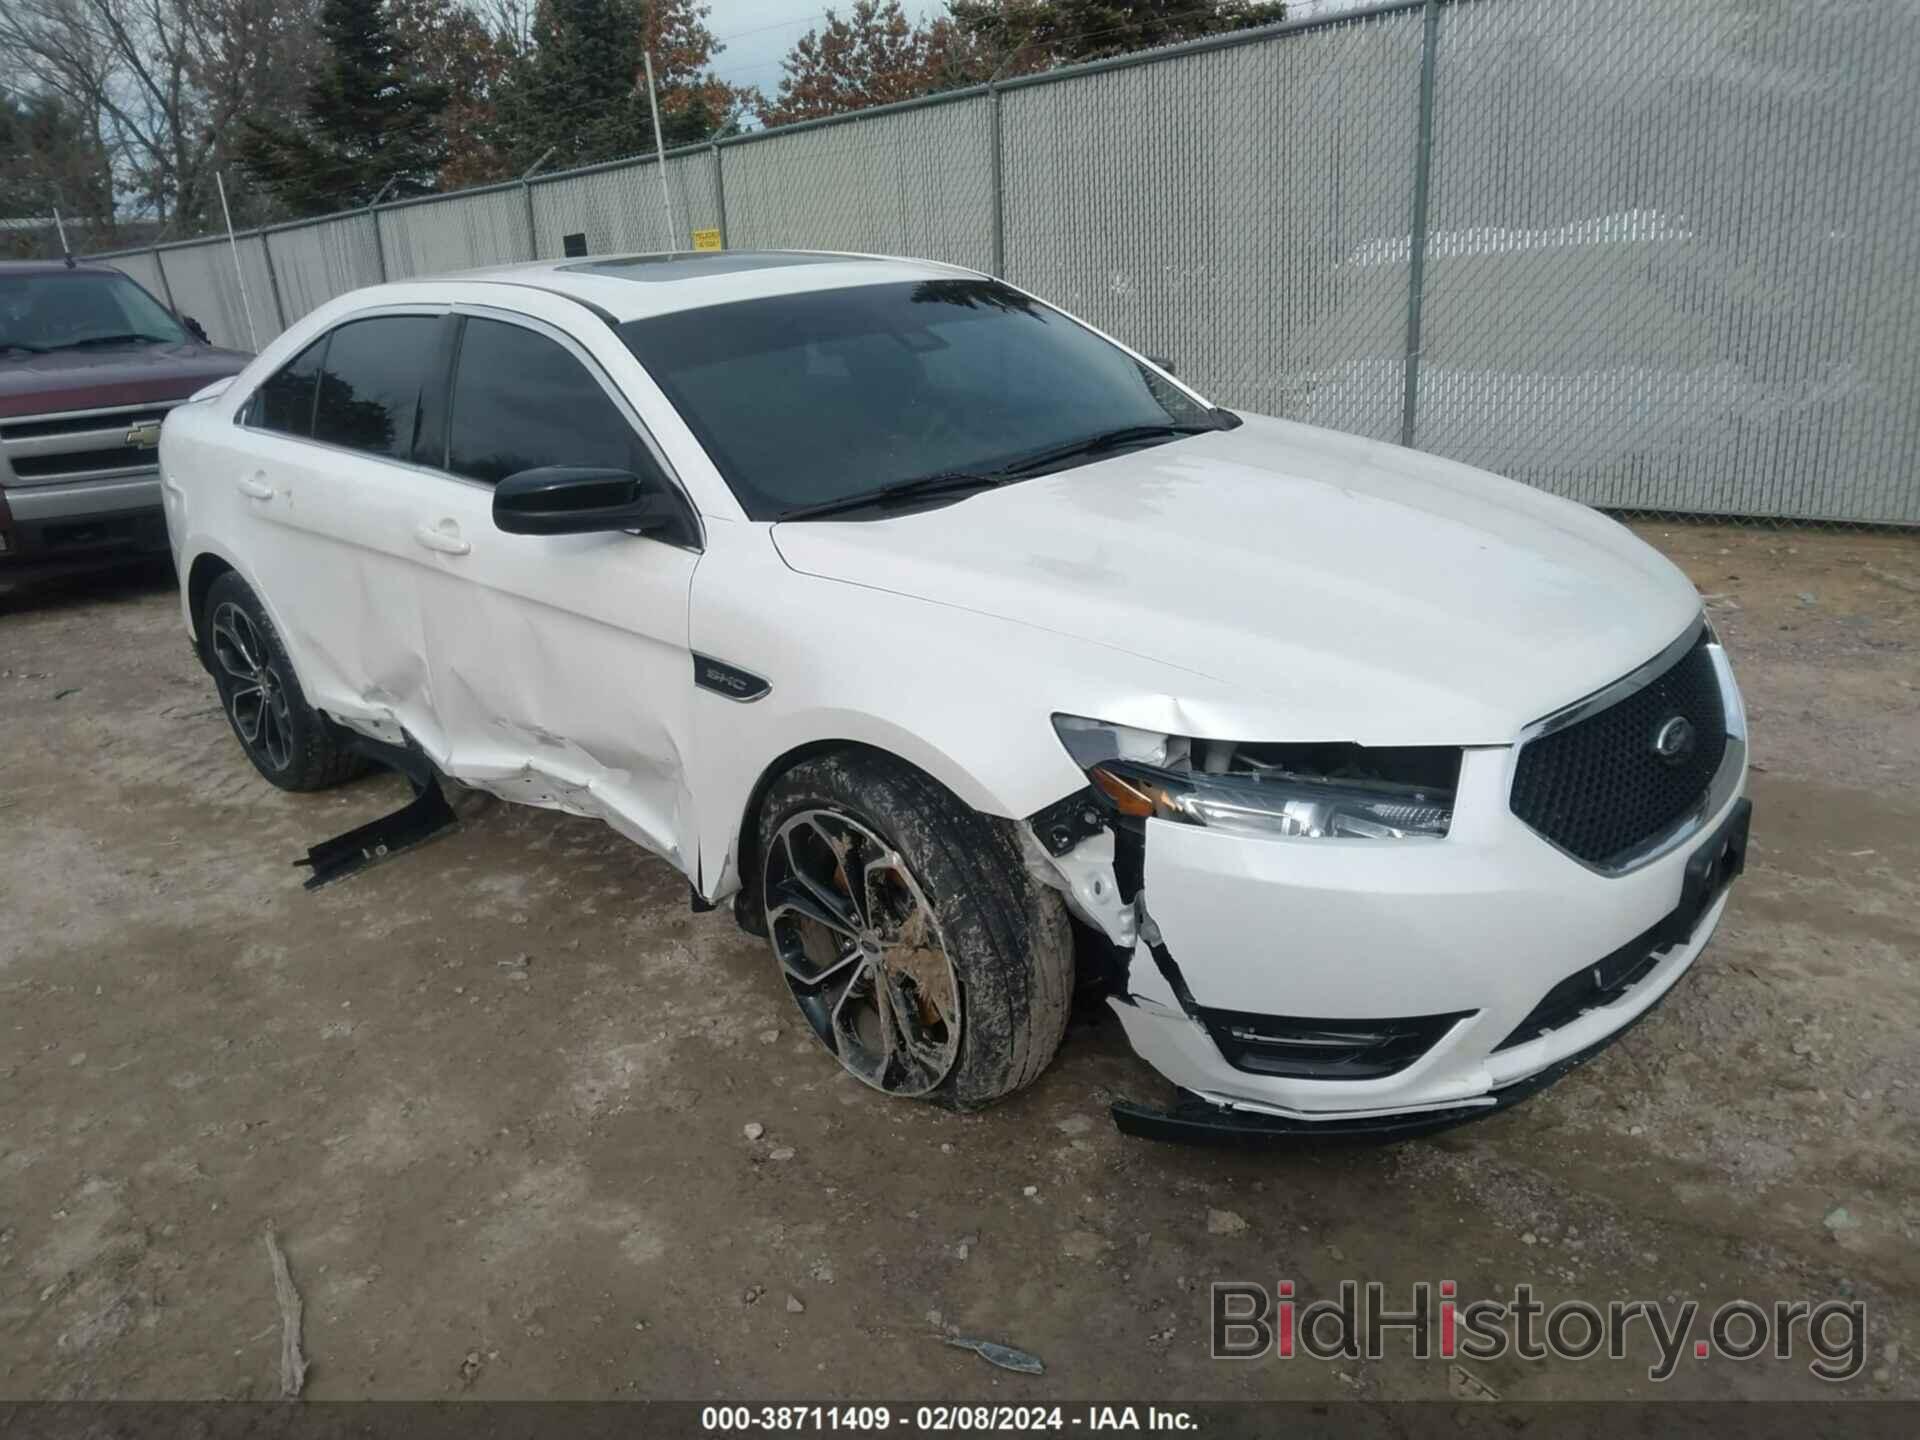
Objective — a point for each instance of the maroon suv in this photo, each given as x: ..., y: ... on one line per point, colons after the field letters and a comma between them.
x: 90, y: 363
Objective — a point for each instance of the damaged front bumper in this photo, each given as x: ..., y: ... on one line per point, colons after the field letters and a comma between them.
x: 1466, y: 973
x: 1194, y: 1120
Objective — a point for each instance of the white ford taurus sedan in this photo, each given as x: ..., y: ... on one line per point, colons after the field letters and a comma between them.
x: 973, y: 654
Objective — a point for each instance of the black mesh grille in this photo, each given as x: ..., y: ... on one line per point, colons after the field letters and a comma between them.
x: 1598, y: 788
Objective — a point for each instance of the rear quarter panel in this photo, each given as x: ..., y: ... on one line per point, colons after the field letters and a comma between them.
x: 193, y: 453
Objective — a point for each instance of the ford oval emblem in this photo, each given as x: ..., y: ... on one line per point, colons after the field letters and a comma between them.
x: 1673, y: 741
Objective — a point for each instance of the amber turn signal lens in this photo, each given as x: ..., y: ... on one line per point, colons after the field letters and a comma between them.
x: 1127, y: 797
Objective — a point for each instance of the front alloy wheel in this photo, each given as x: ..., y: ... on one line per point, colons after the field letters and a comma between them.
x: 920, y: 949
x: 861, y: 952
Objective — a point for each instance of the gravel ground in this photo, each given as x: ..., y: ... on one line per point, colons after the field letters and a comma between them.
x: 497, y: 1096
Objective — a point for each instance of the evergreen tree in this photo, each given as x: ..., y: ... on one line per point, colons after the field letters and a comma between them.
x: 369, y: 122
x: 574, y: 92
x: 580, y: 86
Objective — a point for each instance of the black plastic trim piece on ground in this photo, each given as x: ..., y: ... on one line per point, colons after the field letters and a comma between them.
x: 414, y: 823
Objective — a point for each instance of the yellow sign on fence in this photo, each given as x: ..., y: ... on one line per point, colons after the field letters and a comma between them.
x: 706, y: 239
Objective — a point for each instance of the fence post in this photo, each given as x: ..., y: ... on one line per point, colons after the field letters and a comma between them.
x: 1417, y: 234
x: 999, y: 262
x: 379, y: 245
x: 719, y: 190
x: 373, y: 214
x: 526, y: 191
x: 273, y: 281
x: 166, y: 285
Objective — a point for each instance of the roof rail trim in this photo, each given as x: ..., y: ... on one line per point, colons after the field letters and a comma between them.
x: 611, y: 320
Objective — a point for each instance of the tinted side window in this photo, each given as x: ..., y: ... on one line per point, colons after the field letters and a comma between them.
x: 520, y: 401
x: 370, y: 384
x: 285, y: 403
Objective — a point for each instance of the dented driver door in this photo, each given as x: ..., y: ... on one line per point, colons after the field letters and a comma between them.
x: 559, y: 667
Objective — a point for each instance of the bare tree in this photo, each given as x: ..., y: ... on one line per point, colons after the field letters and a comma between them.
x: 49, y: 159
x: 510, y: 21
x: 250, y: 58
x: 162, y: 82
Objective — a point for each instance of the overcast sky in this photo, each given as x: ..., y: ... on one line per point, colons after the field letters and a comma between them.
x: 758, y: 33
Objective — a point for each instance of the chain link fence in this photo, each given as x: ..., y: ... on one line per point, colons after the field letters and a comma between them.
x: 1223, y: 209
x: 619, y: 208
x: 1657, y: 255
x: 913, y: 181
x: 1671, y: 257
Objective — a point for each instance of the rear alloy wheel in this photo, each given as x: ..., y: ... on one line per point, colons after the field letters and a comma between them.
x: 254, y: 692
x: 921, y: 952
x: 288, y: 741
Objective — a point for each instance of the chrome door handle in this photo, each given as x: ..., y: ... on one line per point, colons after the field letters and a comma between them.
x: 254, y: 488
x: 446, y: 544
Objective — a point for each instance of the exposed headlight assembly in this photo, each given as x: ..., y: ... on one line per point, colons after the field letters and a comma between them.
x: 1313, y: 791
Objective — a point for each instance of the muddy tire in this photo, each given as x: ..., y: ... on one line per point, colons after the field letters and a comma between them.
x: 289, y: 742
x: 919, y: 949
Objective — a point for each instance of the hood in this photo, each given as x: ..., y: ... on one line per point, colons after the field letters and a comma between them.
x: 1370, y: 593
x: 99, y: 377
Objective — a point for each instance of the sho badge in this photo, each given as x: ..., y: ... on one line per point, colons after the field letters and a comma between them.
x: 728, y: 680
x: 1673, y: 741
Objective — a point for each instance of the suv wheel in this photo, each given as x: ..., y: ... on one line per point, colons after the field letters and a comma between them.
x: 289, y: 742
x: 919, y: 949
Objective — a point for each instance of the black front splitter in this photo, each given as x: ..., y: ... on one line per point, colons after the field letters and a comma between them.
x: 1194, y: 1121
x: 1191, y: 1120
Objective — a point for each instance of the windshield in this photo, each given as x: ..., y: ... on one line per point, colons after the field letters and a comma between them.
x: 807, y: 399
x: 54, y: 310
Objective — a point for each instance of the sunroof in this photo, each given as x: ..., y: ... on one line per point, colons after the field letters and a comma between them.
x: 693, y: 267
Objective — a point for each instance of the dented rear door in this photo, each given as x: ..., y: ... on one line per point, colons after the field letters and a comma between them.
x: 323, y: 485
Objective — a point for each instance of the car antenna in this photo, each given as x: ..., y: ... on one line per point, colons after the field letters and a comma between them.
x: 61, y: 231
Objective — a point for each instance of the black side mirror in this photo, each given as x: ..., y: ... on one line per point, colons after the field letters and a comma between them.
x: 194, y: 328
x: 580, y: 500
x: 1164, y: 363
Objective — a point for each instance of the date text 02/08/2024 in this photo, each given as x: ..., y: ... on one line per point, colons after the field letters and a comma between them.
x: 934, y: 1419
